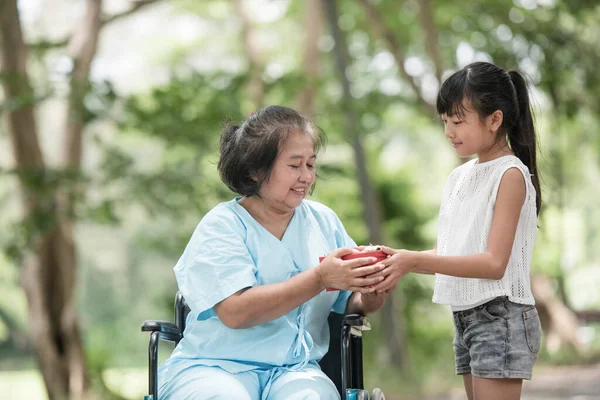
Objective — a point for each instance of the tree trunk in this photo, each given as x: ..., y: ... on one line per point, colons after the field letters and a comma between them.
x: 392, y: 326
x: 431, y: 37
x: 559, y: 322
x: 251, y: 49
x: 49, y: 264
x: 47, y: 270
x: 379, y: 28
x: 314, y: 20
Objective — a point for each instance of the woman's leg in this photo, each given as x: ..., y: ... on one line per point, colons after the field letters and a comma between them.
x: 496, y: 389
x: 310, y: 383
x: 203, y: 383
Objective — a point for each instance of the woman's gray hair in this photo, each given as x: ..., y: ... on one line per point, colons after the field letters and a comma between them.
x: 249, y: 151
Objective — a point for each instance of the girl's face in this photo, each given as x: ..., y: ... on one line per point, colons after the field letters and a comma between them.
x: 292, y: 175
x: 471, y: 134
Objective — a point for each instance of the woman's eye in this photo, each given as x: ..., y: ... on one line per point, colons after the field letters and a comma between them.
x: 310, y: 166
x: 295, y: 166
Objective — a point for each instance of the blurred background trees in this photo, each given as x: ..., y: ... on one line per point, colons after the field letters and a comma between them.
x: 111, y: 114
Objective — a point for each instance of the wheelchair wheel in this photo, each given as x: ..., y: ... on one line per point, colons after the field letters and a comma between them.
x: 377, y: 394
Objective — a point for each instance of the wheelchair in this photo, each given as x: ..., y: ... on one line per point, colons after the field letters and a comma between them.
x: 343, y: 363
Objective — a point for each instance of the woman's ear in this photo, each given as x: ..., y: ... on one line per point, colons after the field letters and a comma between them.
x: 494, y: 120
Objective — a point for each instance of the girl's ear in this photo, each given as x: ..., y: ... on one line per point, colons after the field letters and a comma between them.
x: 494, y: 120
x: 253, y: 176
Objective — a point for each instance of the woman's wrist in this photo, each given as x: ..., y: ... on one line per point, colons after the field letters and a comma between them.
x: 319, y: 277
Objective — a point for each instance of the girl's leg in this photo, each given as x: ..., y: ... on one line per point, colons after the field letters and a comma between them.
x: 468, y: 381
x: 496, y: 389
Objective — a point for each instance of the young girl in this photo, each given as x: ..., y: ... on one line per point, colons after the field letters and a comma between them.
x: 487, y: 227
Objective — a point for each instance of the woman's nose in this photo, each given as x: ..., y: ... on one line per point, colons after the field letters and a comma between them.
x: 307, y: 174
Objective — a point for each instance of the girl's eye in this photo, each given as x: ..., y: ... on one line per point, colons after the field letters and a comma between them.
x: 458, y: 122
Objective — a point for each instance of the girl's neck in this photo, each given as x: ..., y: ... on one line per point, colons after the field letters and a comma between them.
x: 498, y: 150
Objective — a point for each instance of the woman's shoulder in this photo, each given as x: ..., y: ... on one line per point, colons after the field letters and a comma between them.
x: 223, y: 214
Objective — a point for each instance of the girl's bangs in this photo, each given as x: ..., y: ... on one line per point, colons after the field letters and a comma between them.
x: 450, y: 99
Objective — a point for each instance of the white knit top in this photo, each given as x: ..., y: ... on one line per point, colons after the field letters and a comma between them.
x: 466, y: 214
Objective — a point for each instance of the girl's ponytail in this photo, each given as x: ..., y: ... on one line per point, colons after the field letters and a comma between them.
x: 522, y: 136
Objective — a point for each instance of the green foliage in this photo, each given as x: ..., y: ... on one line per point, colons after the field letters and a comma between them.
x: 188, y: 111
x: 147, y: 187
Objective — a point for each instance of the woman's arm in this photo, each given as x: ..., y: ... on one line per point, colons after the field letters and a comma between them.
x: 256, y: 305
x: 488, y: 265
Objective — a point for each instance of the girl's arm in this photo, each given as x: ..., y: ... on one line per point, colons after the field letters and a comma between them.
x: 256, y: 305
x: 489, y: 265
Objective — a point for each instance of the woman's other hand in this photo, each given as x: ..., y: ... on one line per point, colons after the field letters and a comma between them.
x: 349, y: 274
x: 372, y: 302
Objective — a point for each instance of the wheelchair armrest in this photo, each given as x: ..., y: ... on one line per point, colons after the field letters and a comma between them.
x: 167, y: 330
x: 159, y: 330
x: 357, y: 323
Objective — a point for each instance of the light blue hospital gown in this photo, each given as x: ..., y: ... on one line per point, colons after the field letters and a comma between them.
x: 230, y: 251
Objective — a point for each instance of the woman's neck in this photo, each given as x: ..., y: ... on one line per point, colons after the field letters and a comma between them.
x: 271, y: 218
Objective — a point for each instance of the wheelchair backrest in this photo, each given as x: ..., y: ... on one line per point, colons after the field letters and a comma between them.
x: 181, y: 311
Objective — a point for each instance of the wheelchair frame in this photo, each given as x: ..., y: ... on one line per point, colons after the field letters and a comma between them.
x: 350, y: 327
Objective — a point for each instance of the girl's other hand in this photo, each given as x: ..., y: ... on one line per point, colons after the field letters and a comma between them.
x: 398, y: 264
x: 357, y: 275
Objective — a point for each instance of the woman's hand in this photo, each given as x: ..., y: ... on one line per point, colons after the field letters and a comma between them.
x: 372, y: 302
x: 400, y: 263
x: 356, y: 275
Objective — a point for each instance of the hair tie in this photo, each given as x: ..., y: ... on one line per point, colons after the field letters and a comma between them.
x: 250, y: 114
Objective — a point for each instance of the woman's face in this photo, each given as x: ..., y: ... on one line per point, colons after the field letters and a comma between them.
x: 292, y: 175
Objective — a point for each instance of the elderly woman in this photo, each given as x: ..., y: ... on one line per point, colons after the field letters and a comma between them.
x: 252, y: 278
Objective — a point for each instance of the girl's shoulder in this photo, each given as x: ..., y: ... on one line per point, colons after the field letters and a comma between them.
x: 505, y: 163
x: 461, y: 169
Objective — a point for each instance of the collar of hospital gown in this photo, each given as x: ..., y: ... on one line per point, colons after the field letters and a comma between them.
x: 291, y: 341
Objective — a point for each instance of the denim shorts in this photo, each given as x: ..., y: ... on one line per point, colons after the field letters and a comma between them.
x: 498, y: 339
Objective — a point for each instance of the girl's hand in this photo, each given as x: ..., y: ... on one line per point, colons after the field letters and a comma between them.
x: 356, y: 275
x: 397, y: 265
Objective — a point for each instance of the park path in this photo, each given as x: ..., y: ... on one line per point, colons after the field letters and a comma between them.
x: 581, y: 382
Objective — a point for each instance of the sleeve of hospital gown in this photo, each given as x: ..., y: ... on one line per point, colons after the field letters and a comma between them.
x: 342, y: 240
x: 215, y: 264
